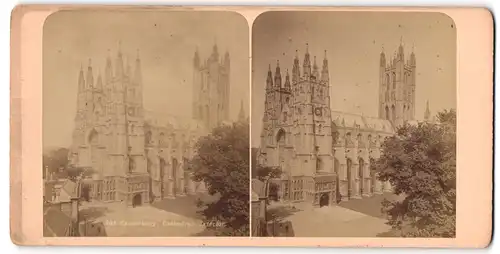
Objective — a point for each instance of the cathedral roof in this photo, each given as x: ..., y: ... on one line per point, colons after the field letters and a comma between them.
x: 172, y: 121
x: 343, y: 119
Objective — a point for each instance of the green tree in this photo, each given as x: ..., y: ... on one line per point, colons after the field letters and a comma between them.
x: 222, y: 162
x: 72, y: 172
x: 55, y: 160
x: 265, y: 173
x: 420, y: 163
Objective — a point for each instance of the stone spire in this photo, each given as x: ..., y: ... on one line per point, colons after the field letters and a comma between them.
x: 215, y: 53
x: 108, y: 74
x: 315, y: 69
x: 90, y: 75
x: 401, y: 53
x: 99, y: 81
x: 138, y: 70
x: 413, y: 60
x: 277, y: 75
x: 287, y: 81
x: 269, y: 81
x: 119, y: 62
x: 196, y: 59
x: 325, y: 75
x: 383, y: 62
x: 81, y: 80
x: 427, y: 114
x: 296, y: 68
x: 307, y: 63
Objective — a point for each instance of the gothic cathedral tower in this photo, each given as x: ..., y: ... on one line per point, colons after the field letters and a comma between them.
x: 397, y: 87
x: 211, y: 88
x: 296, y: 133
x: 109, y: 123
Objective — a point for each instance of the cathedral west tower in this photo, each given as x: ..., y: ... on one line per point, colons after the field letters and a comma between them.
x: 397, y: 82
x: 296, y: 135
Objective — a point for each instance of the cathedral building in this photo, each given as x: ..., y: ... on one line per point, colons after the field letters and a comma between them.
x: 325, y: 155
x: 211, y: 91
x: 138, y: 156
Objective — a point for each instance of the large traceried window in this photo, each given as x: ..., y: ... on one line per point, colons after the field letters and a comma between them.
x: 393, y: 80
x: 281, y: 141
x: 94, y: 143
x: 387, y: 81
x: 393, y: 113
x: 148, y: 138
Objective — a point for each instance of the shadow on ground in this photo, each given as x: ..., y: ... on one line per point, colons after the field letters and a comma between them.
x: 91, y: 213
x: 280, y: 213
x: 370, y: 205
x: 185, y: 206
x: 278, y: 225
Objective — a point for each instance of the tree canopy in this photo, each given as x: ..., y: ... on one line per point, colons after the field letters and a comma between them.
x: 420, y: 163
x: 55, y: 160
x: 222, y: 162
x: 263, y: 172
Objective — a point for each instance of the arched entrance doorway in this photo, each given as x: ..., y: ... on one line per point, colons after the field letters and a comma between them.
x: 324, y: 200
x: 137, y: 200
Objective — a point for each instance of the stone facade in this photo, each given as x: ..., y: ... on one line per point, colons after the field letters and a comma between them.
x: 212, y: 89
x: 325, y: 155
x: 137, y: 156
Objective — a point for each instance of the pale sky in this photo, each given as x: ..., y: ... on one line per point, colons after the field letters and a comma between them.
x: 166, y: 40
x: 353, y: 41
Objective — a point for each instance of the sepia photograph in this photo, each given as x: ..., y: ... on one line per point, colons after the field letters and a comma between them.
x: 353, y: 128
x: 145, y: 123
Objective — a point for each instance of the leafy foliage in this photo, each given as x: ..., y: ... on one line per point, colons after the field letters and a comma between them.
x: 55, y: 160
x: 420, y: 163
x: 72, y: 172
x: 221, y: 161
x: 264, y: 173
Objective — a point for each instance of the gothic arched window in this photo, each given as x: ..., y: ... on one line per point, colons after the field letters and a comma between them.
x: 281, y: 139
x: 161, y: 142
x: 393, y: 80
x: 348, y: 140
x: 393, y: 113
x: 387, y: 81
x: 360, y: 140
x: 319, y: 165
x: 147, y: 138
x: 335, y: 137
x: 93, y: 140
